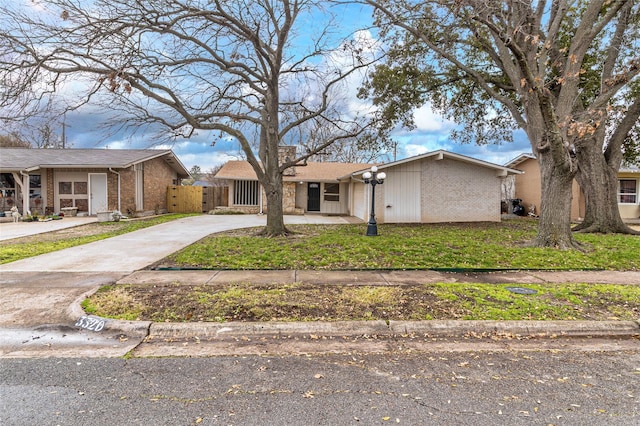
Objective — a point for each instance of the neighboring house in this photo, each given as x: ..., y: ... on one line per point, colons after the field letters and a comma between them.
x: 435, y: 187
x: 92, y: 180
x: 629, y: 192
x: 528, y: 188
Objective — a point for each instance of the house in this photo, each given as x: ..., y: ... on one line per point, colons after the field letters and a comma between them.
x: 439, y: 186
x: 629, y: 192
x: 311, y: 188
x: 528, y: 188
x: 90, y: 180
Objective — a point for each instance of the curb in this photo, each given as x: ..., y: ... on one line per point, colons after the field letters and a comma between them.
x: 539, y: 329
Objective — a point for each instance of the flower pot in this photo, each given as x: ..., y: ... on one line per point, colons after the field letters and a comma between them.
x: 105, y: 216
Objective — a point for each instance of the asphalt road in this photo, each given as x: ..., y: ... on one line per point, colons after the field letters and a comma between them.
x: 432, y: 387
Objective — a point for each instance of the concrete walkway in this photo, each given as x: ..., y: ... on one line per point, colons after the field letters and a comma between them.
x: 40, y: 313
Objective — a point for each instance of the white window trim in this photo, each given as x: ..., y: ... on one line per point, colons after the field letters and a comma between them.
x: 637, y: 193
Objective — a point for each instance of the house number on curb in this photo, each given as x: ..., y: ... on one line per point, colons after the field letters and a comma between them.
x: 91, y: 323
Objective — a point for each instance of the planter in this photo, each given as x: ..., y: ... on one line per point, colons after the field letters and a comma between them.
x: 69, y: 211
x: 105, y: 216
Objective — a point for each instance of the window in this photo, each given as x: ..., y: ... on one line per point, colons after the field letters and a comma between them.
x: 35, y: 193
x: 627, y: 191
x: 72, y: 190
x: 245, y: 193
x: 332, y: 192
x: 7, y: 191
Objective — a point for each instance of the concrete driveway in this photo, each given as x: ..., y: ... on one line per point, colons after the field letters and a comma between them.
x: 9, y: 230
x: 41, y: 296
x: 137, y: 250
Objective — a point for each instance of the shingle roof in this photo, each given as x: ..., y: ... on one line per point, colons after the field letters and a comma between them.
x: 316, y: 172
x: 440, y: 154
x: 15, y: 159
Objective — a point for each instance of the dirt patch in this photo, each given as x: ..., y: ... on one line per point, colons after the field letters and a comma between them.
x: 328, y: 302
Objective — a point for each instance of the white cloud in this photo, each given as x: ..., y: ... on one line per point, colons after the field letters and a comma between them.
x: 428, y: 121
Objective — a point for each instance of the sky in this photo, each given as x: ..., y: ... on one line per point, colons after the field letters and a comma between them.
x: 83, y: 129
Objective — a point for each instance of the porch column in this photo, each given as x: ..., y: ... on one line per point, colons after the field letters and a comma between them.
x: 23, y: 182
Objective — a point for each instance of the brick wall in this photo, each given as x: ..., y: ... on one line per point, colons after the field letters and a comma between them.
x: 49, y: 209
x: 158, y: 175
x: 127, y: 189
x: 455, y: 191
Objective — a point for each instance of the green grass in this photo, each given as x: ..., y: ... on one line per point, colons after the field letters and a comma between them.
x: 428, y: 246
x: 11, y: 251
x: 307, y: 302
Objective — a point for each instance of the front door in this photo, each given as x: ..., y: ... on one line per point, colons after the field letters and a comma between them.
x: 97, y: 193
x: 313, y: 197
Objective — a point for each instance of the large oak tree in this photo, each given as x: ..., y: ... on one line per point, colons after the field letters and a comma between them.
x: 252, y: 70
x: 493, y: 66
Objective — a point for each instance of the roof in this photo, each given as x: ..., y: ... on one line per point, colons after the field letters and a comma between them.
x: 311, y: 172
x: 520, y: 159
x: 441, y: 154
x: 630, y: 168
x: 28, y: 160
x: 625, y: 168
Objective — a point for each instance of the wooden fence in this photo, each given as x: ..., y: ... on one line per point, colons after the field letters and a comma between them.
x: 196, y: 199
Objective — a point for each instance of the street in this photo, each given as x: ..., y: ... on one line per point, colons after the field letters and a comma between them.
x: 575, y: 385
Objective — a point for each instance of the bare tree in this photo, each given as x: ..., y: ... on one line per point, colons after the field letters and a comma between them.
x: 235, y: 67
x: 492, y: 66
x: 13, y: 140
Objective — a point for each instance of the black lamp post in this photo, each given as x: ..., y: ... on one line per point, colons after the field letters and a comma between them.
x: 373, y: 178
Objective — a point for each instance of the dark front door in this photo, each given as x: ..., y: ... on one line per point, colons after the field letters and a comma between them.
x: 313, y: 194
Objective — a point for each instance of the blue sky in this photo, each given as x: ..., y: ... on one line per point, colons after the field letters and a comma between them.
x: 431, y: 133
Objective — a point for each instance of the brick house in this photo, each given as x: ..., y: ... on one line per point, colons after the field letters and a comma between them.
x: 439, y: 186
x: 91, y: 180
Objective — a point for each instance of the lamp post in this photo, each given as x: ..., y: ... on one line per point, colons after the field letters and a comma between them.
x: 374, y: 178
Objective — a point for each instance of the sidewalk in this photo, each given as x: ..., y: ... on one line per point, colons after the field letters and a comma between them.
x: 41, y: 298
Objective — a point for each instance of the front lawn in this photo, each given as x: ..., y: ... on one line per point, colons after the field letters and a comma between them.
x: 431, y: 246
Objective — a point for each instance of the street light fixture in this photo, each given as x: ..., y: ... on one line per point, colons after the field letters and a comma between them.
x: 374, y: 178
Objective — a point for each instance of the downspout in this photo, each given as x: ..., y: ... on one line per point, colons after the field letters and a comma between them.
x: 260, y: 189
x: 118, y: 174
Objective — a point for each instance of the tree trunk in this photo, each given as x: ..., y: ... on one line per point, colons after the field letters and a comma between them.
x: 554, y: 226
x: 599, y: 182
x: 275, y: 213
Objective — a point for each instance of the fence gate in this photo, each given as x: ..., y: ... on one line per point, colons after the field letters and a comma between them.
x: 195, y: 199
x: 184, y: 199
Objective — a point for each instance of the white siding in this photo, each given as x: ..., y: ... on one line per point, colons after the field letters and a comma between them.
x: 335, y: 207
x: 359, y: 208
x: 402, y: 196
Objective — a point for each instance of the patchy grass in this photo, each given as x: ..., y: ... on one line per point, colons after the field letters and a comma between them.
x: 419, y: 246
x: 307, y: 302
x: 24, y: 247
